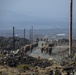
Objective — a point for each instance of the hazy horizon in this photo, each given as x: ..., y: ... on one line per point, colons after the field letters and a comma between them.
x: 37, y: 32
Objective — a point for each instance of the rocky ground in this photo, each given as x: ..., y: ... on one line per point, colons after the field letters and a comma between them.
x: 7, y: 43
x: 19, y: 63
x: 5, y: 70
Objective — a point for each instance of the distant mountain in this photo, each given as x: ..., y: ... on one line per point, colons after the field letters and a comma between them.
x: 8, y: 19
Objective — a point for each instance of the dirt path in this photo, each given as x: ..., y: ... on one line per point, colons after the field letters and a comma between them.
x: 37, y: 52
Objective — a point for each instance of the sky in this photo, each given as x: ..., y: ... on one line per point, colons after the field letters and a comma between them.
x: 41, y: 14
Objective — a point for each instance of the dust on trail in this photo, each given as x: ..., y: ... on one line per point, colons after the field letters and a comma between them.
x: 37, y: 52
